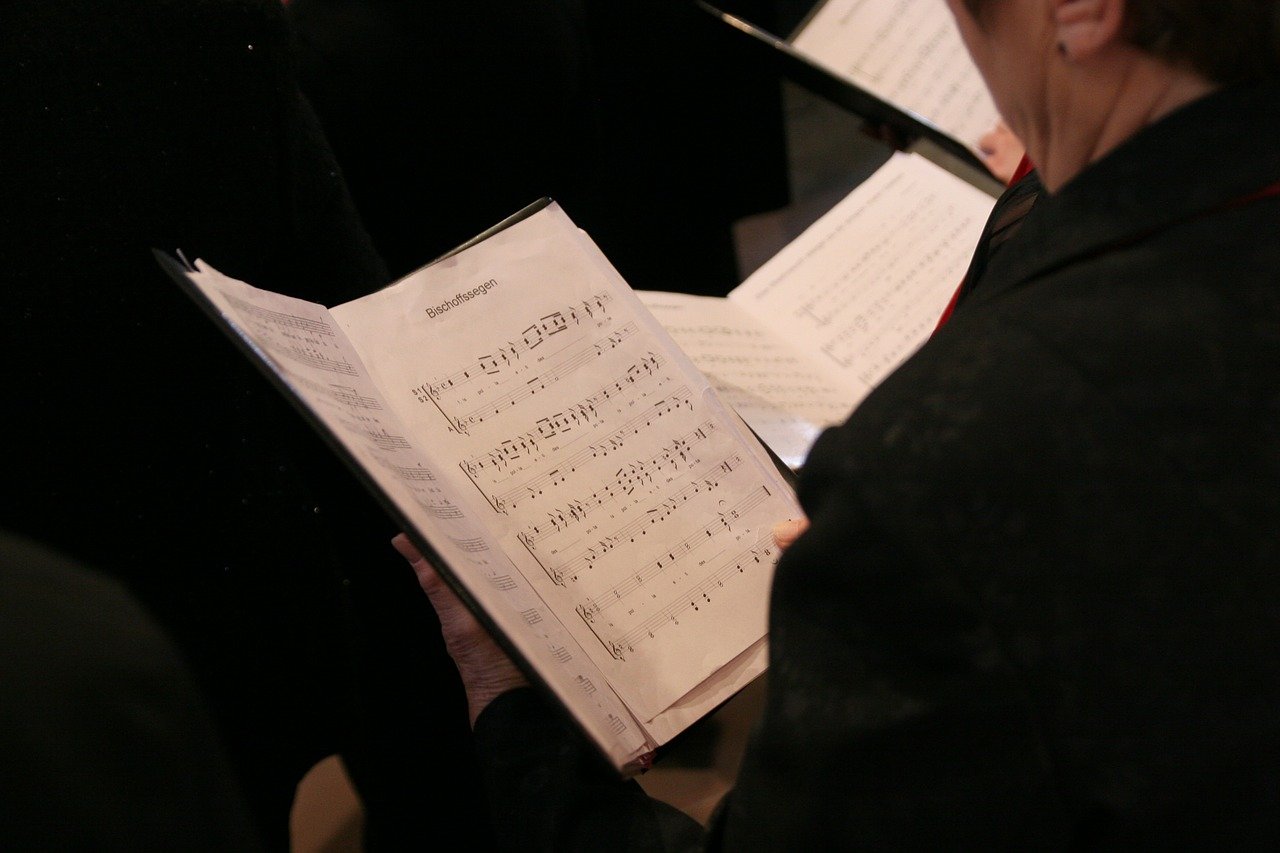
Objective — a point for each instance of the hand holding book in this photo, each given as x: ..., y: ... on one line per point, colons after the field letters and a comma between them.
x: 586, y: 487
x: 485, y: 669
x: 572, y: 476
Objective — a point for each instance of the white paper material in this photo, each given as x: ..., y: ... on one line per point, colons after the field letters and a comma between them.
x: 806, y: 337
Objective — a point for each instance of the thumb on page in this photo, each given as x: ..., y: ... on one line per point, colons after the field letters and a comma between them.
x: 786, y: 532
x: 485, y: 669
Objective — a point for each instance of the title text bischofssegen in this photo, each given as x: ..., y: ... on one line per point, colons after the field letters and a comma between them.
x: 478, y: 290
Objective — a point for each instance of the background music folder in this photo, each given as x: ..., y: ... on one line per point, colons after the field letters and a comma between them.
x: 900, y: 63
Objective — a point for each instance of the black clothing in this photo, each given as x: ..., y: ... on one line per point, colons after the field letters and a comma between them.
x: 652, y: 123
x: 1038, y: 605
x: 143, y: 443
x: 105, y: 740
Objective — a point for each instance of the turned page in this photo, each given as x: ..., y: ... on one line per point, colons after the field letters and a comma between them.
x: 808, y: 335
x: 908, y: 53
x: 782, y: 393
x: 564, y: 417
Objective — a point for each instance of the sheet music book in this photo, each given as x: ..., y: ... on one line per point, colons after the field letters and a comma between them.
x: 539, y: 435
x: 900, y: 62
x: 795, y: 347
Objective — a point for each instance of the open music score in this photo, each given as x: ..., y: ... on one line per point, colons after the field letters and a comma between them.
x: 576, y: 477
x: 614, y: 443
x: 808, y: 335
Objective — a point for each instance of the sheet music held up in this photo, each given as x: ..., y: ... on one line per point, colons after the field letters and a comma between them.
x: 908, y: 53
x: 539, y: 429
x: 799, y: 343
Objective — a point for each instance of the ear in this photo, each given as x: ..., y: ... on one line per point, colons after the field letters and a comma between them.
x: 1086, y: 27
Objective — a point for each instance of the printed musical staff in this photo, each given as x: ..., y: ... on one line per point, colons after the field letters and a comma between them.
x: 663, y: 562
x: 579, y: 415
x: 625, y: 484
x: 382, y: 439
x: 441, y: 509
x: 536, y: 486
x: 277, y: 319
x: 694, y: 598
x: 591, y: 310
x: 414, y: 473
x: 307, y: 342
x: 901, y: 309
x: 353, y: 398
x: 565, y: 368
x: 473, y: 545
x: 503, y: 582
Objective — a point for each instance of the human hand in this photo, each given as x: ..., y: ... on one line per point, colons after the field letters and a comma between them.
x: 486, y: 670
x: 1001, y: 151
x: 786, y: 532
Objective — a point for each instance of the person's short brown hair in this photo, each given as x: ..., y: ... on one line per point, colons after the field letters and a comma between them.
x: 1227, y: 41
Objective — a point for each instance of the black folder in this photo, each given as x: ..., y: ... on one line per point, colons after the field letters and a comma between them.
x: 843, y: 91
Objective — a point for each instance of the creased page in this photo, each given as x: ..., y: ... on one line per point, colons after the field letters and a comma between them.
x: 312, y: 356
x: 785, y: 395
x: 908, y: 53
x: 864, y: 286
x: 627, y: 496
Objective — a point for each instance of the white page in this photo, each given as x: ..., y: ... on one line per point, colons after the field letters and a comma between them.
x: 806, y: 337
x: 864, y: 286
x: 625, y: 494
x: 783, y: 394
x: 908, y: 53
x: 313, y: 357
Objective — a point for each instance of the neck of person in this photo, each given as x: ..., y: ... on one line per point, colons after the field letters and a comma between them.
x: 1103, y: 105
